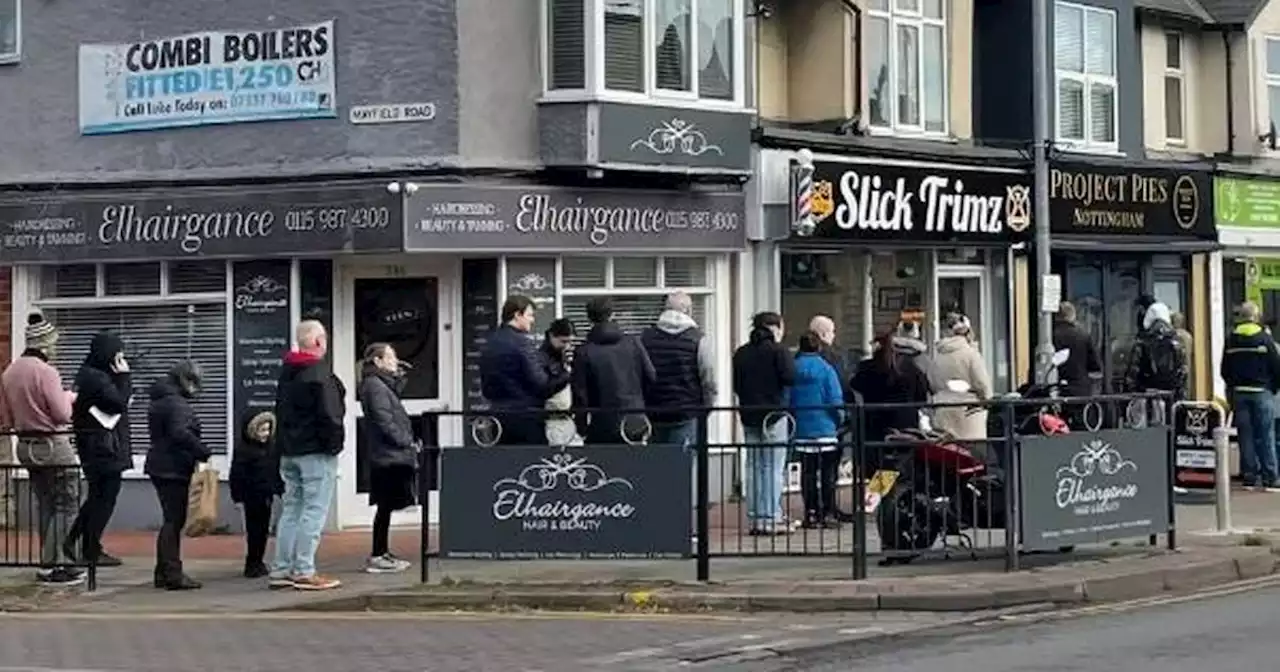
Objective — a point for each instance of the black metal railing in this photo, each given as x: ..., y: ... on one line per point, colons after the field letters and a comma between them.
x: 41, y: 491
x: 900, y: 492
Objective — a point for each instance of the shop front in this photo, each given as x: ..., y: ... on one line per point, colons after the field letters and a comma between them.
x: 219, y: 275
x: 1247, y: 210
x: 1124, y: 230
x: 902, y: 240
x: 468, y: 246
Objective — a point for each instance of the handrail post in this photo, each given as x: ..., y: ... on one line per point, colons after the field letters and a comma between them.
x: 703, y: 474
x: 1013, y: 493
x: 859, y: 508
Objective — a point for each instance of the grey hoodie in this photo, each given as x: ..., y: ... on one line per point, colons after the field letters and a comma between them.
x: 675, y: 322
x: 918, y: 352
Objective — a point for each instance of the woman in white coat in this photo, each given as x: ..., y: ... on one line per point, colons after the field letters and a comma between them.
x: 958, y: 360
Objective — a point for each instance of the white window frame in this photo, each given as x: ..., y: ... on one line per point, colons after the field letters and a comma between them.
x: 898, y: 17
x: 1179, y: 73
x: 16, y: 55
x: 1088, y: 80
x: 594, y: 88
x: 1268, y: 80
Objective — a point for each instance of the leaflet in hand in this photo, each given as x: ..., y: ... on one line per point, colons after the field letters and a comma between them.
x: 108, y: 421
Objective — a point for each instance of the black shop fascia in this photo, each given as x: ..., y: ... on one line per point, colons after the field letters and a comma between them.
x: 1147, y: 208
x: 910, y: 204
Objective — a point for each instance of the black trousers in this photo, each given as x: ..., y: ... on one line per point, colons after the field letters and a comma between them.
x: 818, y: 473
x: 257, y: 527
x: 381, y: 531
x: 172, y: 494
x: 101, y: 493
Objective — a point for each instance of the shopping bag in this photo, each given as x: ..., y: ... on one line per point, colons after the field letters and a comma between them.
x: 202, y: 503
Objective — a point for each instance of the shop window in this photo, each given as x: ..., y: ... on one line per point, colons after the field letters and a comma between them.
x: 197, y: 277
x: 635, y: 306
x: 635, y: 272
x: 131, y: 279
x: 155, y: 337
x: 684, y: 271
x: 585, y: 272
x: 68, y: 281
x: 10, y: 31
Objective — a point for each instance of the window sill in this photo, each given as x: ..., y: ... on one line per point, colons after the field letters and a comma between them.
x: 1084, y: 149
x: 584, y: 96
x: 886, y: 132
x: 10, y: 59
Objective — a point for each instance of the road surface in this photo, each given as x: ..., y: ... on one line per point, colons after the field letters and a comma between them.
x: 1234, y: 633
x: 407, y: 643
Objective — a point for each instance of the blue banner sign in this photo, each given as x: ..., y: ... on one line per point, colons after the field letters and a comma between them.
x: 208, y: 78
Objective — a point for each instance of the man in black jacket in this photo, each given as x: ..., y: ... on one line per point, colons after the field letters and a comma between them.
x: 763, y: 369
x: 1083, y: 365
x: 611, y: 372
x: 1251, y: 370
x: 513, y: 377
x: 176, y: 450
x: 310, y: 411
x: 682, y: 360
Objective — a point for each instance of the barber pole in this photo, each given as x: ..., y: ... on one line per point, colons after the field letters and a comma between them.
x: 802, y: 177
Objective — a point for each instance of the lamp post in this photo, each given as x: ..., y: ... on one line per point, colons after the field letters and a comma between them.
x: 1040, y: 212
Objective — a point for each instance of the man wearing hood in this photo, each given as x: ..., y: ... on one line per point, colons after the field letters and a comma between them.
x: 100, y: 419
x: 1156, y: 361
x: 34, y: 404
x: 310, y: 410
x: 176, y: 450
x: 1251, y: 370
x: 611, y: 372
x: 685, y: 376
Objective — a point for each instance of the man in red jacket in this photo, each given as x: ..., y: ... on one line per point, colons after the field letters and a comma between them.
x: 34, y: 405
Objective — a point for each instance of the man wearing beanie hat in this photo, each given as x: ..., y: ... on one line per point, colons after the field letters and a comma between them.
x: 36, y: 407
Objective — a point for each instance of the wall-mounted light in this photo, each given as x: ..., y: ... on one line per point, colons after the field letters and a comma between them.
x: 409, y: 188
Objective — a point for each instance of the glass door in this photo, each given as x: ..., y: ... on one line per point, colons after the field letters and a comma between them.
x: 410, y: 308
x: 964, y: 290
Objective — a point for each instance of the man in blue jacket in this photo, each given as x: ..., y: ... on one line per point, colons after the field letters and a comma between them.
x: 513, y: 378
x: 1251, y: 370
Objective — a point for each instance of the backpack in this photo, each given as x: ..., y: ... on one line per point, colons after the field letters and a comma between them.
x: 1164, y: 362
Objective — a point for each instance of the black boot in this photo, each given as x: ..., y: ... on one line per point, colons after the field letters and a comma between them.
x: 181, y: 582
x: 255, y: 569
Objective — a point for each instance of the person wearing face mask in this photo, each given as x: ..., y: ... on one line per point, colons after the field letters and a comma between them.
x: 255, y: 482
x: 100, y: 420
x: 392, y: 450
x: 176, y: 451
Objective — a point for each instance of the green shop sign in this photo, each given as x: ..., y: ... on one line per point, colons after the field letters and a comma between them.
x: 1247, y: 202
x: 1260, y: 275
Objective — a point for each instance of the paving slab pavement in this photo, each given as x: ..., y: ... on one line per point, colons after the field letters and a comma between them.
x: 797, y: 583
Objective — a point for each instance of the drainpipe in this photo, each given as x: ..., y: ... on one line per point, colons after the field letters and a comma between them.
x: 857, y: 56
x: 1231, y: 98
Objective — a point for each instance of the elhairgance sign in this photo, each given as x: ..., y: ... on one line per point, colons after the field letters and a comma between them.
x: 208, y: 78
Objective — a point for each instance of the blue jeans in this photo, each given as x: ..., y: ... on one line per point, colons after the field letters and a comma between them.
x: 1256, y: 434
x: 766, y: 471
x: 683, y: 433
x: 308, y: 491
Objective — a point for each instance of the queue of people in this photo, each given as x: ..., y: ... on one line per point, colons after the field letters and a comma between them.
x: 290, y: 453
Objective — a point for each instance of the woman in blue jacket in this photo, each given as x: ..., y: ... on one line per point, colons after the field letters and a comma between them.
x: 817, y: 401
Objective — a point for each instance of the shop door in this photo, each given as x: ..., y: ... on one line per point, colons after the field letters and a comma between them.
x: 964, y: 290
x: 412, y: 309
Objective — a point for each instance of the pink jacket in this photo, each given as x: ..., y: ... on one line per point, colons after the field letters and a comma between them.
x: 32, y: 398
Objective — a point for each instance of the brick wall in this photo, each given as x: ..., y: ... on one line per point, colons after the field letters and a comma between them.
x: 6, y: 306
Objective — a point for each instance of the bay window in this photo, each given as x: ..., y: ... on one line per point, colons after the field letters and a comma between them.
x: 1271, y: 82
x: 10, y: 30
x: 661, y: 49
x: 1088, y: 112
x: 906, y: 48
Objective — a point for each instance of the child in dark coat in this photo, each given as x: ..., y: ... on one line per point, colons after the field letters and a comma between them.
x: 255, y: 482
